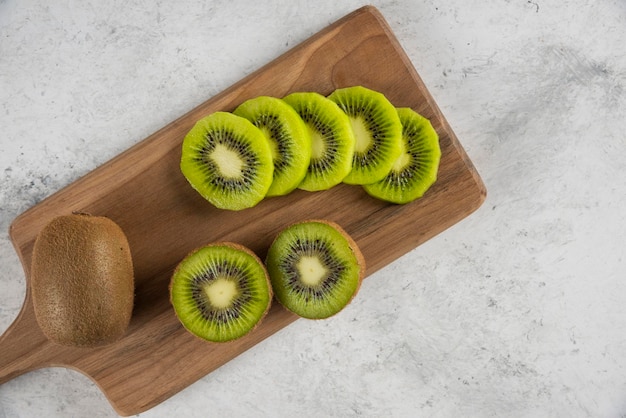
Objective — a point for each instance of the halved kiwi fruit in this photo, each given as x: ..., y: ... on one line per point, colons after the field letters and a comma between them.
x: 377, y: 130
x: 228, y: 161
x: 220, y: 292
x: 289, y: 140
x: 332, y: 140
x: 415, y: 170
x: 315, y: 267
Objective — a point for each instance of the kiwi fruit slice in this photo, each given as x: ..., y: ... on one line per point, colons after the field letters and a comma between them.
x: 220, y: 292
x: 415, y: 170
x: 315, y: 267
x: 228, y: 161
x: 377, y: 130
x: 82, y: 281
x: 332, y: 140
x: 289, y: 140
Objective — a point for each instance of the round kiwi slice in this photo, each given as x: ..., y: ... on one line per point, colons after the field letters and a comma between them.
x: 415, y: 170
x: 332, y: 140
x: 289, y: 140
x: 377, y: 130
x: 315, y: 268
x: 228, y: 161
x: 220, y: 292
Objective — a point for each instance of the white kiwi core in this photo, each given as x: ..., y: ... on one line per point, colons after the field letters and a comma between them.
x: 221, y: 292
x: 362, y: 135
x: 228, y: 161
x: 403, y: 160
x: 318, y: 144
x: 311, y: 270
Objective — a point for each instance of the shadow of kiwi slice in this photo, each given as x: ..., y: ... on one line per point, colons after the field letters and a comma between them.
x: 315, y: 268
x: 288, y: 136
x: 415, y: 170
x: 220, y: 292
x: 332, y: 140
x: 228, y: 161
x: 377, y: 130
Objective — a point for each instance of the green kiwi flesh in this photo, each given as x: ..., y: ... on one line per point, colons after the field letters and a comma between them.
x: 315, y: 267
x: 332, y: 140
x: 377, y: 130
x: 220, y: 292
x: 415, y: 170
x: 288, y: 136
x: 228, y: 161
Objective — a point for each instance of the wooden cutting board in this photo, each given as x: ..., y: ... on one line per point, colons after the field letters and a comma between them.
x: 143, y: 190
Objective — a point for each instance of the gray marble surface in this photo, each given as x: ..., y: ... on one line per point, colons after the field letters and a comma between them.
x: 517, y: 311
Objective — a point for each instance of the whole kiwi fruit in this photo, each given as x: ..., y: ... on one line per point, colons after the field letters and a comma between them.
x: 82, y: 280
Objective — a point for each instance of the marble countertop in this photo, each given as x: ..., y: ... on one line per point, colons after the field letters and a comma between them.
x: 518, y: 310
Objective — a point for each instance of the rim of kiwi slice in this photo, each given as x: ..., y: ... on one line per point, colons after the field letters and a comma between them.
x: 377, y: 130
x: 288, y: 136
x: 228, y: 161
x: 315, y: 267
x: 415, y: 170
x: 332, y: 140
x: 220, y: 292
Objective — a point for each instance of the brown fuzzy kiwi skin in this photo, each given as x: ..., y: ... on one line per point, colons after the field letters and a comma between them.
x: 82, y: 281
x: 235, y: 246
x: 353, y: 246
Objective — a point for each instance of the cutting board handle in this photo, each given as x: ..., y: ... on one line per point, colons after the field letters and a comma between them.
x: 23, y: 347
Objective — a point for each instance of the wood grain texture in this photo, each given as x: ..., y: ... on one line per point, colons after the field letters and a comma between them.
x: 143, y: 191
